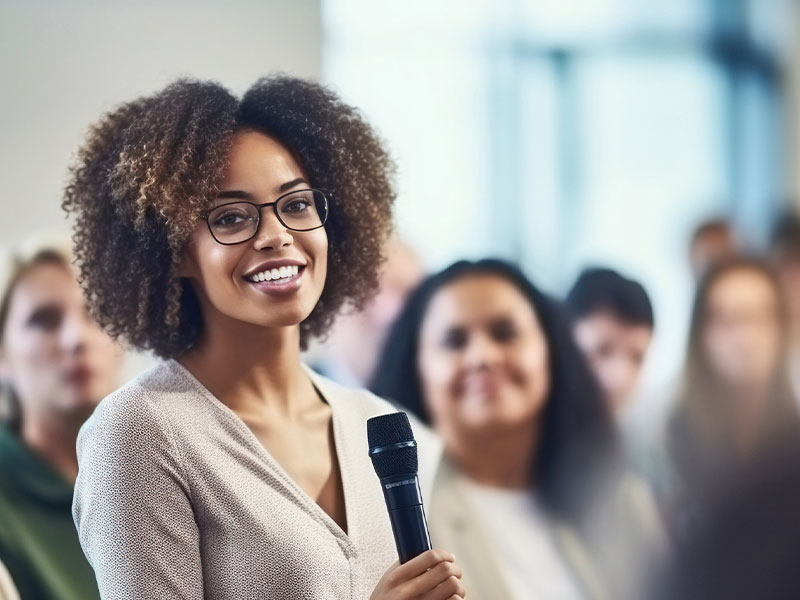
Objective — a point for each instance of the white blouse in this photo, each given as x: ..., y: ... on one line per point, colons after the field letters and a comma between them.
x: 520, y: 532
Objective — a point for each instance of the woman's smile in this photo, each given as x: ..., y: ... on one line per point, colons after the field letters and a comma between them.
x: 277, y: 276
x: 283, y: 280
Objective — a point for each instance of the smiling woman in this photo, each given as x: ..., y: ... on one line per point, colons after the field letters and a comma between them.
x: 487, y: 359
x: 230, y: 470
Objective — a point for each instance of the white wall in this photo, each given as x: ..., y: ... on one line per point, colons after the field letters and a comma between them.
x: 793, y: 94
x: 64, y: 63
x: 417, y: 69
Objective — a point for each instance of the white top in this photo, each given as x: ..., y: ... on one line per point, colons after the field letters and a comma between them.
x: 7, y: 589
x: 176, y: 498
x: 519, y: 531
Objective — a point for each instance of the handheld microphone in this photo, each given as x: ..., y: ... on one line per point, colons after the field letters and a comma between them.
x: 393, y: 451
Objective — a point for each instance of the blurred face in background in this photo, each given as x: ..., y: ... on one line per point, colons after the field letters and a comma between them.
x: 615, y: 350
x: 401, y: 273
x: 483, y: 358
x: 357, y: 340
x: 710, y: 247
x: 742, y: 335
x: 54, y: 356
x: 788, y: 269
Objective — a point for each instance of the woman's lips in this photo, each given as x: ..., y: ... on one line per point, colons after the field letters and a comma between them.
x: 268, y: 273
x: 483, y: 384
x: 79, y: 375
x: 283, y: 285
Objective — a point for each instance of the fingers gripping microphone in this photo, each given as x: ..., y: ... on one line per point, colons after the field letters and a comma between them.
x: 393, y: 451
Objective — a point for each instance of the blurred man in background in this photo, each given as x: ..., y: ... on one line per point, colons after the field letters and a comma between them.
x: 351, y: 352
x: 713, y: 241
x: 613, y: 325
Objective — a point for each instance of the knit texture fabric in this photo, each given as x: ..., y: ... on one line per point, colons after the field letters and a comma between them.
x: 176, y: 498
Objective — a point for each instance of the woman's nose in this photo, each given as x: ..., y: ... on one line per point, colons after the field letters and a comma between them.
x: 482, y: 351
x: 271, y: 233
x: 75, y: 331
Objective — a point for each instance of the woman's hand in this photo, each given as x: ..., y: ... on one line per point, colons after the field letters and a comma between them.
x: 433, y: 575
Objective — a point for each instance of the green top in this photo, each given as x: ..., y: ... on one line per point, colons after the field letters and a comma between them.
x: 38, y: 541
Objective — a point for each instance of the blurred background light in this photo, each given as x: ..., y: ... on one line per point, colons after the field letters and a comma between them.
x: 563, y: 135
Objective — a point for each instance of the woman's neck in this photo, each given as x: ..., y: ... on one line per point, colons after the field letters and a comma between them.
x: 52, y: 437
x: 251, y: 368
x: 503, y: 458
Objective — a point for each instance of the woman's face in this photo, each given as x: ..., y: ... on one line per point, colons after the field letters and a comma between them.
x: 483, y: 358
x: 741, y: 337
x: 259, y: 170
x: 55, y: 357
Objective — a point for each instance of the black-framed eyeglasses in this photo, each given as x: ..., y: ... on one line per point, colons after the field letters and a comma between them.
x: 237, y: 222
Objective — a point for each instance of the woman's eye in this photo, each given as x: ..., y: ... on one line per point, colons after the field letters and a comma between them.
x: 229, y: 219
x: 455, y: 339
x: 504, y: 331
x: 297, y: 205
x: 46, y: 319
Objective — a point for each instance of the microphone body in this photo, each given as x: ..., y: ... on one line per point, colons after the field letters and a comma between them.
x: 393, y: 451
x: 410, y: 528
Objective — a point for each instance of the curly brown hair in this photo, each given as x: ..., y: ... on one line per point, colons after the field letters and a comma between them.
x: 150, y: 168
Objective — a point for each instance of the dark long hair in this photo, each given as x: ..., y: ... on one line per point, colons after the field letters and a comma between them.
x: 577, y: 433
x: 701, y: 425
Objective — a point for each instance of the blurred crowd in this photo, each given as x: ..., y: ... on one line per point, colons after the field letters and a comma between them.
x: 529, y: 391
x: 546, y: 490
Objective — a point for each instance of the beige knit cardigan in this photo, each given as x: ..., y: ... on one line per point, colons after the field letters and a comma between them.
x: 177, y: 499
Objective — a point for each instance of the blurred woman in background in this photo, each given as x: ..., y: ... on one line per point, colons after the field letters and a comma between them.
x: 56, y: 365
x: 531, y: 454
x: 737, y: 399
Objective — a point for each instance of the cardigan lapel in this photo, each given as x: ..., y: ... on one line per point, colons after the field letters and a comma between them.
x: 577, y: 557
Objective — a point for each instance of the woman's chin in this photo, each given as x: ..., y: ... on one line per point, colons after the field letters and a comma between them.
x: 493, y: 420
x: 282, y: 318
x: 80, y: 403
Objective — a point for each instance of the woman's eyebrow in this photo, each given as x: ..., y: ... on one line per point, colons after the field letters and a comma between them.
x: 285, y: 187
x: 242, y: 195
x: 235, y: 195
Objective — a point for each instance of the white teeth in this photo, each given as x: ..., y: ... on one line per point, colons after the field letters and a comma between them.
x: 277, y: 273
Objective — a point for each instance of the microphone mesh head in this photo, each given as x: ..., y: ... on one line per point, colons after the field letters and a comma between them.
x: 384, y: 431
